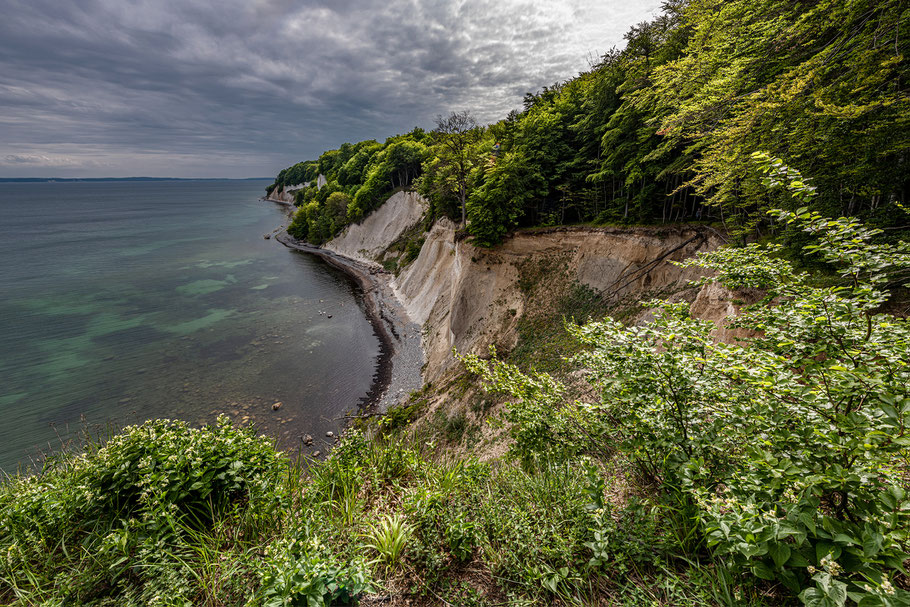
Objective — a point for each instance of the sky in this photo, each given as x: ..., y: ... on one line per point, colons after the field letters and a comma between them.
x: 244, y: 88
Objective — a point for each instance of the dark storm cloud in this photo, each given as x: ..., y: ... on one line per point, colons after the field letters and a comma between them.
x: 237, y: 88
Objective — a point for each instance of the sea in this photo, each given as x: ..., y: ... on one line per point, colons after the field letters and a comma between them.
x: 126, y: 301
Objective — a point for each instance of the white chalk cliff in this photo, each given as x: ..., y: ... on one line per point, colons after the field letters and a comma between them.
x: 368, y: 240
x: 469, y: 297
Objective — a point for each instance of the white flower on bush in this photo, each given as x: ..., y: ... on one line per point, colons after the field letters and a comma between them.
x: 831, y: 566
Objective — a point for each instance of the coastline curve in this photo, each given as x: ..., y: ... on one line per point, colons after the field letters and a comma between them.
x: 401, y: 357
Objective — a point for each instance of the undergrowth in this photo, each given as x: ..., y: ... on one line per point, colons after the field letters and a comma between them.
x: 781, y: 455
x: 164, y: 514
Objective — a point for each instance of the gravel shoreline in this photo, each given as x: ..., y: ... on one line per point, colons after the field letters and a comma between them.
x: 401, y: 358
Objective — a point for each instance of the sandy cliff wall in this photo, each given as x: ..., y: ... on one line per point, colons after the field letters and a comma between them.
x: 370, y: 238
x: 466, y: 297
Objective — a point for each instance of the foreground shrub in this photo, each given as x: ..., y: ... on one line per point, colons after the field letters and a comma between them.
x: 305, y: 572
x: 117, y: 519
x: 195, y: 474
x: 789, y: 443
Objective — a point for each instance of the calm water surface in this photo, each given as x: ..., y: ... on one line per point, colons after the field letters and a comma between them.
x: 125, y: 301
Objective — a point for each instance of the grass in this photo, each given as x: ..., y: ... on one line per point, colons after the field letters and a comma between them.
x: 388, y: 539
x: 384, y: 511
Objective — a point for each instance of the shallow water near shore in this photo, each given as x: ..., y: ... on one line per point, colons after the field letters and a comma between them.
x: 125, y: 301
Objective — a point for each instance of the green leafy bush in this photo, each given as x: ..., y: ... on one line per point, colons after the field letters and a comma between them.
x: 412, y: 250
x: 115, y: 520
x: 195, y: 473
x: 789, y: 441
x: 305, y: 573
x: 461, y: 537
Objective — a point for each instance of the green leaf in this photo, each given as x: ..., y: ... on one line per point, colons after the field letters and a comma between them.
x: 843, y: 538
x: 891, y: 412
x: 823, y: 549
x: 761, y: 570
x: 870, y: 600
x: 813, y: 597
x: 809, y: 521
x: 797, y: 560
x: 872, y: 543
x: 780, y: 553
x: 790, y: 580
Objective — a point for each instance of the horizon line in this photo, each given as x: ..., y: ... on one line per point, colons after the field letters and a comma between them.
x: 131, y: 178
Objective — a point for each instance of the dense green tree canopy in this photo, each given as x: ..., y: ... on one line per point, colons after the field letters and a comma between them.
x: 663, y: 129
x: 358, y: 178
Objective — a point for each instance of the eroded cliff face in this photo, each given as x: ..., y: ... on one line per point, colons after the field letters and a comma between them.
x: 468, y: 298
x: 515, y: 296
x: 285, y: 194
x: 367, y: 241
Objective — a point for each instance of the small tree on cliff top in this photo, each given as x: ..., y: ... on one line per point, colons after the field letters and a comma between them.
x: 455, y: 134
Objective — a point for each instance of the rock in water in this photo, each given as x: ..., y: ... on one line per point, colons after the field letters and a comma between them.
x: 330, y: 434
x: 276, y: 406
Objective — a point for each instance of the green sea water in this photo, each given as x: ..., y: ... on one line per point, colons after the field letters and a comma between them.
x: 125, y: 301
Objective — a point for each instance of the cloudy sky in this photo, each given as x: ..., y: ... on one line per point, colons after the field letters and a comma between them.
x: 241, y: 88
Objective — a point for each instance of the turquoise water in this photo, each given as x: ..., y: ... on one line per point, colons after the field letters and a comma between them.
x: 125, y: 301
